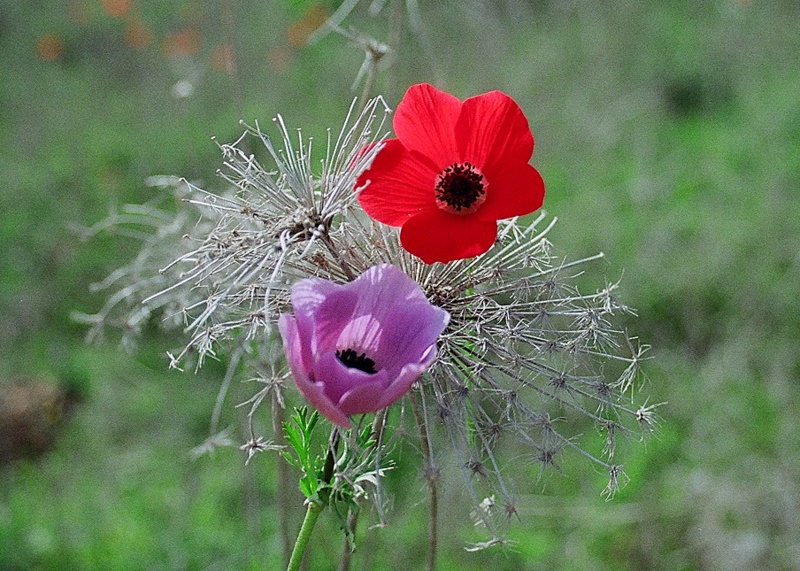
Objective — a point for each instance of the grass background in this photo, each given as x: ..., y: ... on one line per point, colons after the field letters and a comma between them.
x: 669, y: 138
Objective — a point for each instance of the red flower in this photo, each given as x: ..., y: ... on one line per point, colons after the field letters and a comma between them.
x: 454, y: 169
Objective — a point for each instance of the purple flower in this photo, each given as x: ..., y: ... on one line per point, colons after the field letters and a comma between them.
x: 358, y: 347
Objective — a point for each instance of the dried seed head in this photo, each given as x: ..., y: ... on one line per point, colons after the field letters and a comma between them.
x: 526, y: 358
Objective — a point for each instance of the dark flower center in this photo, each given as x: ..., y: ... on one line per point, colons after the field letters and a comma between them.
x: 460, y: 189
x: 353, y: 360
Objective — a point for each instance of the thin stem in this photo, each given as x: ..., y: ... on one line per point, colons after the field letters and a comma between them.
x: 369, y: 83
x: 375, y: 51
x: 312, y: 514
x: 347, y: 552
x: 431, y: 477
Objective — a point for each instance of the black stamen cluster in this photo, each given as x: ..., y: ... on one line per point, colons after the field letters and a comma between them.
x: 460, y: 186
x: 353, y: 360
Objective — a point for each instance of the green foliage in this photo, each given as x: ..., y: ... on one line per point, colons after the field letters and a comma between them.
x: 337, y: 475
x: 298, y: 436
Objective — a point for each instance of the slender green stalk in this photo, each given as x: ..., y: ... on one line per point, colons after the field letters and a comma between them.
x: 312, y: 514
x: 314, y: 508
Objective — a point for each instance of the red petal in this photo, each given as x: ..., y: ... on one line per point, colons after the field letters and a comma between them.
x: 492, y: 131
x: 436, y: 236
x: 425, y: 122
x: 400, y: 185
x: 512, y: 192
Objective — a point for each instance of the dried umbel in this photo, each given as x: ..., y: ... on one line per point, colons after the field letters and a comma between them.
x: 223, y: 264
x: 525, y: 357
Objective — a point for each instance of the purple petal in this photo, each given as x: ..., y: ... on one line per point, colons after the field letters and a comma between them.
x: 397, y: 310
x: 402, y: 383
x: 299, y: 358
x: 365, y: 398
x: 411, y: 329
x: 332, y: 316
x: 307, y: 296
x: 312, y: 391
x: 324, y: 405
x: 381, y: 287
x: 364, y: 334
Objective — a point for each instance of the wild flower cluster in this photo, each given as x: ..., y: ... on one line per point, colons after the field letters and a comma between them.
x: 523, y: 356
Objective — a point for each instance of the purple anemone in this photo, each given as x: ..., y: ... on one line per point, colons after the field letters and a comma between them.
x: 358, y: 347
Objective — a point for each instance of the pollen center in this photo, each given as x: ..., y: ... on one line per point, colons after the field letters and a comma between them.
x: 460, y: 189
x: 353, y: 360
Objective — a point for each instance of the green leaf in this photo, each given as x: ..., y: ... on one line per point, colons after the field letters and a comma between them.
x: 298, y: 433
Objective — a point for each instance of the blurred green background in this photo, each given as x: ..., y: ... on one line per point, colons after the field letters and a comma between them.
x: 669, y: 138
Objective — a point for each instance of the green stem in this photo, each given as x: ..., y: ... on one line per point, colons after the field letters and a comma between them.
x: 312, y: 514
x: 314, y: 508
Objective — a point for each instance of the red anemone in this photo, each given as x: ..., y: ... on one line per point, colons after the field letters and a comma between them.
x: 454, y: 169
